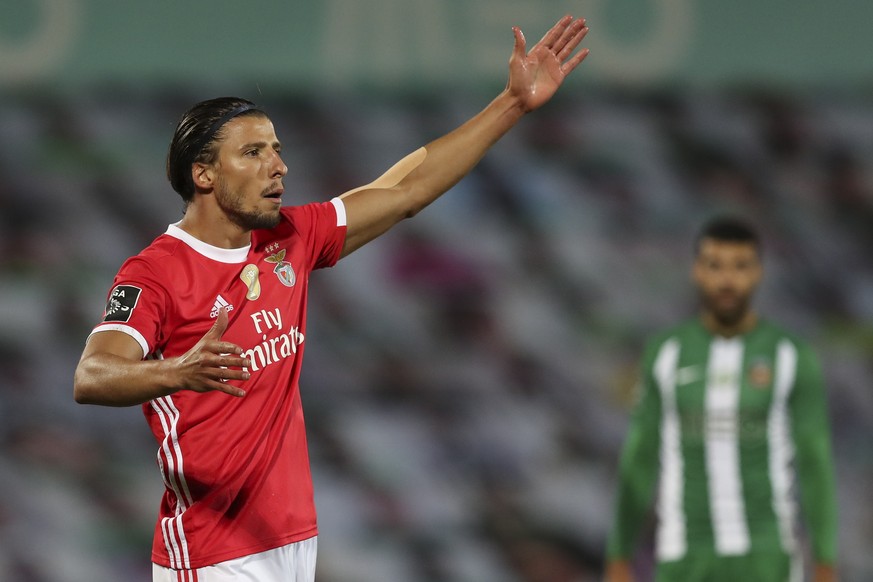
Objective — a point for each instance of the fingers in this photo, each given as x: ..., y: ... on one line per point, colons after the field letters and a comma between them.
x: 574, y: 62
x: 210, y: 339
x: 570, y: 39
x: 228, y: 361
x: 561, y: 40
x: 554, y: 34
x: 226, y: 388
x: 520, y: 49
x: 219, y: 326
x: 216, y: 370
x: 211, y: 363
x: 224, y: 348
x: 226, y: 367
x: 232, y: 390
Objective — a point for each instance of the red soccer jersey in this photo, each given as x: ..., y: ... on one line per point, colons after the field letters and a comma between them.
x: 236, y: 470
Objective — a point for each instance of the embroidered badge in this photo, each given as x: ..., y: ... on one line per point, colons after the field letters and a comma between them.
x: 760, y: 374
x: 283, y: 268
x: 249, y: 276
x: 121, y: 303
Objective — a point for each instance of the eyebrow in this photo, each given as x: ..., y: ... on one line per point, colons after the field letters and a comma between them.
x: 260, y: 145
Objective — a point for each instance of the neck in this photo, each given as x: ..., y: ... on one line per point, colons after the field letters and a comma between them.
x: 741, y: 326
x: 210, y: 225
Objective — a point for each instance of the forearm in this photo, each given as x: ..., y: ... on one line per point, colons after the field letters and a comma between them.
x: 814, y: 456
x: 423, y: 176
x: 637, y: 477
x: 111, y: 380
x: 452, y: 156
x: 818, y: 496
x: 824, y: 573
x: 636, y: 486
x: 630, y: 511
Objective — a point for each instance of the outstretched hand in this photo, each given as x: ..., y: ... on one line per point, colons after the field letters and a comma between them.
x: 535, y: 75
x: 211, y: 362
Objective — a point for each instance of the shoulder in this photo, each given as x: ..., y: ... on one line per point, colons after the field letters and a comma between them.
x: 688, y: 329
x: 162, y: 247
x: 314, y: 211
x: 778, y: 333
x: 158, y: 251
x: 676, y: 335
x: 156, y: 263
x: 298, y: 220
x: 791, y: 344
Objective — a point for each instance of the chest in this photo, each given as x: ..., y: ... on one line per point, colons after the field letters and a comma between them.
x: 726, y: 381
x: 264, y: 297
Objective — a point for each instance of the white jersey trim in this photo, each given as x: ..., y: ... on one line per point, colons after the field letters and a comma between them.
x: 230, y: 256
x: 726, y: 501
x: 171, y: 463
x: 143, y: 344
x: 340, y: 211
x: 781, y: 444
x: 670, y: 542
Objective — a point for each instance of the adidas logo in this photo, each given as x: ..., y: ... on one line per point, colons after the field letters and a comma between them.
x: 219, y: 303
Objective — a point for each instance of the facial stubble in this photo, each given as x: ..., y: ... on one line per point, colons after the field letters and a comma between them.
x: 232, y: 205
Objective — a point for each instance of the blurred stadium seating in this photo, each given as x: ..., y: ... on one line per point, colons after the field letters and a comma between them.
x: 468, y: 375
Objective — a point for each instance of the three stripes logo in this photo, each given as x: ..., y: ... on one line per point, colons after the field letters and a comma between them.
x: 219, y: 303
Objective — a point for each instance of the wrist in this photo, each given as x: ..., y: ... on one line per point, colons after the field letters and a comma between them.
x: 510, y: 104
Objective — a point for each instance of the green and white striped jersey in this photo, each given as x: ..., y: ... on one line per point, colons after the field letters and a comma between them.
x: 723, y: 430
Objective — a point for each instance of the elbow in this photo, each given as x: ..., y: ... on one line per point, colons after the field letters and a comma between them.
x: 80, y: 393
x: 81, y: 397
x: 414, y: 201
x: 83, y: 392
x: 411, y: 211
x: 407, y: 200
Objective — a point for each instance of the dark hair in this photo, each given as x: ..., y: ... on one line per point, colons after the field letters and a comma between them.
x: 728, y: 229
x: 196, y: 136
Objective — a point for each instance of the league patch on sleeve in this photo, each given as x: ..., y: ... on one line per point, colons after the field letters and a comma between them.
x: 121, y: 303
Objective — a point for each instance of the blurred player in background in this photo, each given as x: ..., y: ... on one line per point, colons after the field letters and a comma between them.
x: 206, y: 327
x: 731, y: 412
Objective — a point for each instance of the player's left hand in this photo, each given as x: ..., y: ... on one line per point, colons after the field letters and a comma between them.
x: 534, y: 76
x: 824, y: 573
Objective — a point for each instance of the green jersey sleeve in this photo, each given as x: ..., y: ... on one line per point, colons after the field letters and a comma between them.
x: 814, y: 461
x: 638, y: 466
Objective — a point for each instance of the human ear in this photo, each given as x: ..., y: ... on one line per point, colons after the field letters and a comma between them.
x: 202, y: 175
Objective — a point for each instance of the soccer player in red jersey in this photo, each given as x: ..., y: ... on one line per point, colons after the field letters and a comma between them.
x: 206, y: 327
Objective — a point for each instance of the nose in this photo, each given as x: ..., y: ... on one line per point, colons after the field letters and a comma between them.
x: 279, y: 169
x: 726, y: 281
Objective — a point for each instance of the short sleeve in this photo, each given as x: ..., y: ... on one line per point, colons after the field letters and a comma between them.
x: 136, y: 305
x: 322, y: 228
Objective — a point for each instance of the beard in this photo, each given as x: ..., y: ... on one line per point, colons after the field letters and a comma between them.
x: 232, y: 205
x: 728, y: 312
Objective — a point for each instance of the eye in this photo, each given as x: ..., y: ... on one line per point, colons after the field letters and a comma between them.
x: 252, y: 153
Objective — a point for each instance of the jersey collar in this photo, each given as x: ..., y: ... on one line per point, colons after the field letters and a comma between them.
x: 207, y: 250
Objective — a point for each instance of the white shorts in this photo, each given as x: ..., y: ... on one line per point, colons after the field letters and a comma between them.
x: 292, y: 563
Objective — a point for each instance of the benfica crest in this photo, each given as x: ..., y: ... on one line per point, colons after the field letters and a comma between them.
x: 283, y: 268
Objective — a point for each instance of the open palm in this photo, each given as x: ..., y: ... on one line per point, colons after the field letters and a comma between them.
x: 535, y: 75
